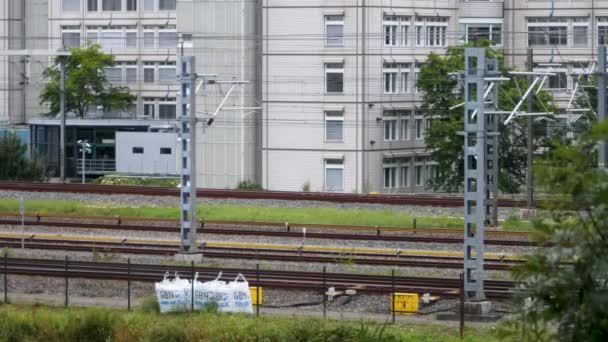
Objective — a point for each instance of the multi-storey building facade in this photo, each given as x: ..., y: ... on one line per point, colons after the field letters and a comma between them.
x: 340, y: 102
x: 335, y: 80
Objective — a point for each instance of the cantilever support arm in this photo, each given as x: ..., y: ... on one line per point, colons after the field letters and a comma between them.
x: 526, y: 94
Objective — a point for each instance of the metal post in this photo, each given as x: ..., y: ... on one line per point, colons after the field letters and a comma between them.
x: 186, y: 74
x: 192, y: 286
x: 257, y: 292
x: 84, y: 154
x: 129, y: 284
x: 62, y: 112
x: 5, y: 277
x: 475, y: 169
x: 393, y: 293
x: 22, y: 212
x: 601, y: 104
x: 66, y: 281
x: 461, y: 295
x: 530, y: 161
x: 324, y: 296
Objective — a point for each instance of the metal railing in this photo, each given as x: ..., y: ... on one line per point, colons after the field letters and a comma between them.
x: 96, y: 166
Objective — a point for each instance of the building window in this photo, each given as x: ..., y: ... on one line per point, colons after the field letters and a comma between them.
x: 111, y: 5
x: 602, y: 30
x: 396, y: 125
x: 472, y: 30
x: 396, y: 172
x: 149, y: 41
x: 92, y: 35
x: 70, y: 36
x: 131, y: 5
x: 419, y: 128
x: 404, y: 128
x: 149, y: 72
x: 111, y: 38
x: 166, y: 5
x: 149, y: 107
x: 390, y: 126
x: 92, y: 5
x: 167, y: 38
x: 334, y: 174
x: 396, y: 30
x: 131, y: 73
x: 431, y: 31
x: 334, y: 78
x: 550, y: 31
x: 580, y: 30
x: 131, y: 41
x: 396, y: 78
x: 138, y: 150
x: 149, y: 5
x: 167, y: 109
x: 334, y: 30
x: 334, y: 126
x: 165, y: 150
x: 167, y: 73
x: 113, y: 75
x: 70, y: 6
x: 419, y: 175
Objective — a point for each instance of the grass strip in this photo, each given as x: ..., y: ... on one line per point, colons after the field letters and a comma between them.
x: 255, y: 213
x: 39, y: 323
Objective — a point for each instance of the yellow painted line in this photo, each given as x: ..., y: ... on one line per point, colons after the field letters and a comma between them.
x: 346, y: 250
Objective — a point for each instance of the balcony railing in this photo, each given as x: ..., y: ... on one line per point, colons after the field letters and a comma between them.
x: 96, y: 166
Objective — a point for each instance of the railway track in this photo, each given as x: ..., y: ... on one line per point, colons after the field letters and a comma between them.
x: 255, y: 254
x: 446, y: 288
x: 421, y: 200
x: 285, y: 230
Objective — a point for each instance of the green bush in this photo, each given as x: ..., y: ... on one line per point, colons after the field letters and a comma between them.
x: 135, y: 181
x: 93, y: 325
x: 249, y: 185
x: 149, y: 304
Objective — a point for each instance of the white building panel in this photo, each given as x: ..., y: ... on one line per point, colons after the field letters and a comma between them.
x: 147, y: 153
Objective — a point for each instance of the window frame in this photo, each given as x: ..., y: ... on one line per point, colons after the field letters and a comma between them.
x: 399, y: 25
x: 74, y: 2
x: 491, y: 23
x: 71, y: 29
x: 169, y: 101
x: 329, y: 70
x: 396, y: 165
x: 334, y: 116
x: 399, y: 72
x: 329, y: 165
x: 329, y: 21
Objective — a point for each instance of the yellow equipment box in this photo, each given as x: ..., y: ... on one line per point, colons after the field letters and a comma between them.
x: 405, y: 303
x: 253, y: 292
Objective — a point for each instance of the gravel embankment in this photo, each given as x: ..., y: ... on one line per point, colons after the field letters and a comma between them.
x: 114, y: 293
x: 166, y: 201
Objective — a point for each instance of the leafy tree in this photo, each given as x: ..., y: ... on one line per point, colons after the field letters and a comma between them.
x: 440, y: 92
x: 15, y: 164
x: 563, y: 293
x: 86, y: 84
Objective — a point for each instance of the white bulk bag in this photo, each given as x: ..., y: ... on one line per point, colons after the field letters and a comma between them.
x: 171, y: 294
x: 213, y: 291
x: 240, y: 297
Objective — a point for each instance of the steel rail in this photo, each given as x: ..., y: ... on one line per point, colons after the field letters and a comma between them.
x: 268, y: 278
x: 252, y: 253
x: 418, y: 200
x: 273, y: 233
